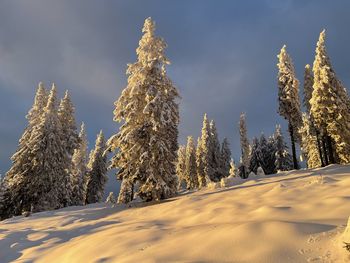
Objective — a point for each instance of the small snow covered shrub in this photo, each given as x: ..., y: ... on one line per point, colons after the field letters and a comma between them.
x: 252, y: 174
x: 111, y: 199
x: 214, y: 185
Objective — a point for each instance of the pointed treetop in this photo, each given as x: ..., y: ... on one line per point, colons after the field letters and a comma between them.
x: 51, y: 102
x: 149, y: 26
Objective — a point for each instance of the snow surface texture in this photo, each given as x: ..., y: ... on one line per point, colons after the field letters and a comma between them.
x: 296, y: 216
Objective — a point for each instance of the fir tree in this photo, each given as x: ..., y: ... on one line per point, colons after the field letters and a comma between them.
x: 330, y: 107
x: 147, y: 140
x: 181, y: 165
x: 283, y: 160
x: 190, y: 165
x: 78, y: 176
x: 126, y: 193
x: 266, y: 155
x: 97, y: 178
x: 205, y: 154
x: 233, y: 169
x: 225, y: 157
x: 254, y: 161
x: 214, y: 147
x: 245, y: 148
x: 202, y: 179
x: 111, y: 198
x: 288, y: 97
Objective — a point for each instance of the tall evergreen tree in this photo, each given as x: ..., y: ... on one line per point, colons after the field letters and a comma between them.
x: 126, y: 192
x: 79, y: 171
x: 288, y: 97
x: 202, y: 179
x: 181, y: 165
x: 245, y: 147
x: 283, y: 161
x: 205, y: 154
x: 214, y: 147
x: 233, y: 168
x: 190, y: 165
x: 254, y: 161
x: 97, y: 178
x: 147, y: 140
x: 225, y: 157
x: 330, y: 106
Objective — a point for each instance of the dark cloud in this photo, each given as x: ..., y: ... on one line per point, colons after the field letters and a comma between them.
x: 223, y: 57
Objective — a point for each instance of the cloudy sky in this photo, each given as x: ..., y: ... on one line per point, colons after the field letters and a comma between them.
x: 223, y: 57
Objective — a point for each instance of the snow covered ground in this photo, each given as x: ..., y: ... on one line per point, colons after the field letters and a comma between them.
x: 298, y: 216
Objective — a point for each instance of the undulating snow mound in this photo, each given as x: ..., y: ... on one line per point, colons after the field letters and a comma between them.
x: 276, y: 218
x: 346, y: 234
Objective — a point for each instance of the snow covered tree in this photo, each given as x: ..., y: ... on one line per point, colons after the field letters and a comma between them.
x: 330, y: 107
x: 21, y: 160
x: 233, y: 169
x: 181, y: 165
x: 288, y: 97
x: 266, y: 154
x: 202, y: 179
x: 190, y: 165
x: 70, y: 139
x: 214, y: 147
x: 254, y: 161
x: 96, y: 177
x: 245, y: 148
x: 147, y: 139
x: 308, y: 83
x: 79, y: 170
x: 126, y: 193
x: 204, y: 153
x: 309, y: 143
x: 225, y: 157
x: 111, y: 198
x: 283, y: 161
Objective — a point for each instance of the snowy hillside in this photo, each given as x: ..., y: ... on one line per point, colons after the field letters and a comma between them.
x: 297, y: 216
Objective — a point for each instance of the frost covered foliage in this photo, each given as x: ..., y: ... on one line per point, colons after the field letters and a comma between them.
x: 96, y: 177
x: 190, y: 165
x: 181, y: 165
x: 233, y: 169
x: 254, y: 161
x: 308, y: 87
x: 283, y: 160
x: 309, y: 143
x: 147, y: 139
x: 79, y: 169
x: 245, y: 148
x: 215, y: 154
x: 203, y: 155
x: 288, y: 98
x: 225, y: 157
x: 330, y: 106
x: 110, y: 199
x: 126, y: 193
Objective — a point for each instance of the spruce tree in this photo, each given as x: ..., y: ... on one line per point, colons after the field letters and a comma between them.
x: 288, y: 97
x: 147, y: 140
x: 330, y: 107
x: 215, y: 160
x: 190, y: 165
x: 181, y: 165
x: 283, y: 161
x: 79, y: 170
x: 254, y: 161
x: 225, y: 157
x: 126, y: 192
x: 245, y: 148
x: 233, y: 169
x: 202, y: 179
x: 96, y: 177
x: 205, y: 154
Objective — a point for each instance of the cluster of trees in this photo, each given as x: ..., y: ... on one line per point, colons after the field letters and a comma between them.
x: 323, y: 130
x: 208, y: 161
x: 50, y: 168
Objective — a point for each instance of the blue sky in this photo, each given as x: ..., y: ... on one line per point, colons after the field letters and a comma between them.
x: 223, y: 56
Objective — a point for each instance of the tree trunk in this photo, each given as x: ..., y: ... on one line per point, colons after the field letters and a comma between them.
x: 295, y: 160
x: 330, y: 149
x: 319, y: 147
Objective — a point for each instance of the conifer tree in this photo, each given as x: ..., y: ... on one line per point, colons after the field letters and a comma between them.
x: 111, y: 198
x: 79, y: 170
x: 202, y: 179
x: 330, y: 107
x: 225, y: 157
x: 126, y: 193
x: 190, y: 165
x: 309, y: 143
x: 283, y: 160
x: 205, y: 153
x: 70, y: 139
x: 214, y: 147
x: 245, y: 148
x: 147, y: 140
x: 97, y: 178
x: 181, y: 165
x: 233, y: 169
x: 288, y: 97
x: 254, y: 161
x: 308, y: 83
